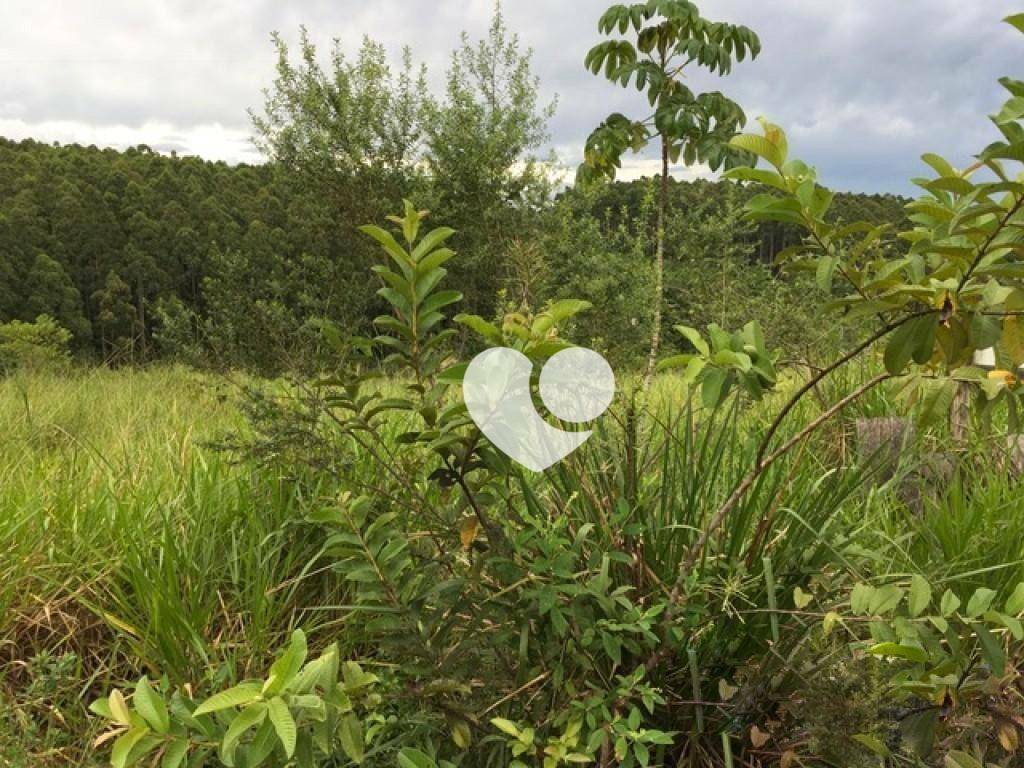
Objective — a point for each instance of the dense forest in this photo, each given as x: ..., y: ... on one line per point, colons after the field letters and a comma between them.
x: 141, y: 255
x: 128, y: 249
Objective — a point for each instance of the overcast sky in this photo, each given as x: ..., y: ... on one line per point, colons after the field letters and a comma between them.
x: 863, y: 87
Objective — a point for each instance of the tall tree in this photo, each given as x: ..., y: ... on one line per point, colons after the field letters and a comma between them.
x: 482, y: 139
x: 667, y: 39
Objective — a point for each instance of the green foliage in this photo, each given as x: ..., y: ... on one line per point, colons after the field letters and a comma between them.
x: 40, y: 345
x: 302, y: 712
x: 669, y: 37
x: 945, y: 652
x: 956, y: 291
x: 727, y: 361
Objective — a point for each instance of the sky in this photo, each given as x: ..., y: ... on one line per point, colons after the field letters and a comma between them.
x: 863, y: 87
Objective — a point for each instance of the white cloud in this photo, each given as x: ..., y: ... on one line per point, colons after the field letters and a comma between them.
x: 211, y: 141
x: 863, y: 86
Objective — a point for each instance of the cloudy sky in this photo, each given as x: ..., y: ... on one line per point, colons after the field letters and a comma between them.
x: 863, y: 87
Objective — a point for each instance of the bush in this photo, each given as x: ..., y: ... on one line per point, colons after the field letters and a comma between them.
x: 34, y: 346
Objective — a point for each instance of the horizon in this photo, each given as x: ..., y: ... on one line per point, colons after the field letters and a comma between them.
x: 914, y: 85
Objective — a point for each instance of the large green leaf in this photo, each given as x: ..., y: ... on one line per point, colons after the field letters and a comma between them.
x: 284, y: 670
x: 914, y: 340
x: 920, y: 596
x: 760, y: 146
x: 899, y: 651
x: 248, y: 718
x: 151, y: 707
x: 284, y: 724
x: 240, y: 695
x: 350, y: 732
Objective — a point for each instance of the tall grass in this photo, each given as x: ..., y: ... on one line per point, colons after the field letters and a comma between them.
x: 129, y: 545
x: 127, y: 542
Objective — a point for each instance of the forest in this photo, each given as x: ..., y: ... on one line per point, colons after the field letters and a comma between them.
x: 255, y: 510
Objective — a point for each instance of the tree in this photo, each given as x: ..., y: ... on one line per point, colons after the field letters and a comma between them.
x: 353, y: 131
x: 481, y: 141
x: 116, y: 318
x: 669, y: 38
x: 48, y: 290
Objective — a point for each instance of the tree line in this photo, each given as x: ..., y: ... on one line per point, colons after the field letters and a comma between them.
x: 140, y: 255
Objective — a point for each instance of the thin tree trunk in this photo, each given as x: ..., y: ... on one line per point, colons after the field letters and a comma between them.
x: 659, y: 268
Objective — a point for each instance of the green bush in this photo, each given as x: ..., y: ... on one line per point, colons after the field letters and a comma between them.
x: 41, y: 345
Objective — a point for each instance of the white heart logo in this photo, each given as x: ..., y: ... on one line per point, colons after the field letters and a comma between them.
x: 577, y: 385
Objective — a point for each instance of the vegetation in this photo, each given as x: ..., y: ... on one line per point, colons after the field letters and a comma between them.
x: 335, y: 567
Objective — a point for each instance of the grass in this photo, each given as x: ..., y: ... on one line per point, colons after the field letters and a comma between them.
x: 129, y: 545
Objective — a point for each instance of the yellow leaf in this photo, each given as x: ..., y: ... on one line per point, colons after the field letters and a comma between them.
x: 1013, y: 338
x: 801, y: 599
x: 105, y: 737
x: 1005, y: 376
x: 726, y: 691
x: 828, y: 624
x: 119, y: 708
x: 758, y: 737
x: 1008, y: 737
x: 788, y: 759
x: 467, y: 531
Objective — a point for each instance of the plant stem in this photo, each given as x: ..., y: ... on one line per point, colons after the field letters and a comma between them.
x: 824, y: 373
x: 659, y: 268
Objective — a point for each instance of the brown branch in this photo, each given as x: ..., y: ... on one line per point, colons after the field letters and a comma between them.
x: 824, y: 373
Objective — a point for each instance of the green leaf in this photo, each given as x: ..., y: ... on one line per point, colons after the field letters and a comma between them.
x: 506, y: 726
x: 394, y: 250
x: 885, y: 599
x: 1012, y: 111
x: 985, y: 331
x: 760, y: 146
x: 101, y: 707
x: 940, y: 165
x: 1015, y: 603
x: 431, y: 241
x: 248, y: 718
x: 899, y: 651
x: 980, y: 602
x: 350, y: 732
x: 950, y: 603
x: 769, y: 178
x: 1017, y: 21
x: 826, y: 271
x: 860, y: 598
x: 284, y: 670
x: 413, y: 758
x: 125, y: 744
x: 240, y: 695
x: 151, y: 707
x: 920, y: 596
x: 957, y: 759
x: 872, y: 744
x: 714, y: 388
x: 914, y: 340
x: 693, y: 336
x: 284, y: 724
x: 487, y: 330
x: 175, y: 754
x: 118, y: 708
x: 1013, y: 337
x: 801, y: 599
x: 992, y: 649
